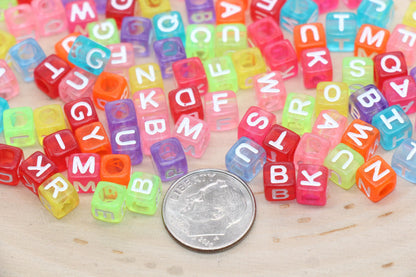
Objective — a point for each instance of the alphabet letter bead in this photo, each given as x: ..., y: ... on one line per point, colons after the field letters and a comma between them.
x: 48, y: 119
x: 145, y: 76
x: 317, y: 66
x: 143, y: 193
x: 108, y: 202
x: 190, y: 72
x: 169, y: 24
x: 194, y: 134
x: 20, y: 21
x: 9, y: 86
x: 200, y: 41
x: 248, y: 63
x: 370, y: 41
x: 378, y: 13
x: 118, y: 9
x: 330, y: 124
x: 84, y: 171
x: 221, y: 110
x: 341, y: 30
x: 221, y: 74
x: 281, y: 56
x: 19, y: 127
x: 332, y: 96
x: 403, y: 39
x: 270, y: 91
x: 309, y: 35
x: 115, y: 168
x: 137, y: 31
x: 280, y: 144
x: 404, y: 162
x: 357, y: 71
x: 312, y: 149
x: 104, y: 32
x: 298, y: 112
x: 366, y: 102
x: 230, y: 38
x: 80, y: 112
x: 10, y: 159
x: 151, y: 8
x: 49, y: 17
x: 295, y: 12
x: 79, y: 14
x: 109, y: 87
x: 279, y: 181
x: 92, y: 138
x: 388, y: 65
x: 168, y: 51
x: 59, y: 146
x: 401, y: 91
x: 263, y: 8
x: 77, y: 84
x: 200, y: 12
x: 256, y: 124
x: 185, y: 101
x: 264, y: 31
x: 311, y: 184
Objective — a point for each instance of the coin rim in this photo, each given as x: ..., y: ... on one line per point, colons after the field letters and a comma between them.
x: 211, y: 250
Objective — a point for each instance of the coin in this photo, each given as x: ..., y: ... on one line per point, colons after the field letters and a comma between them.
x: 208, y: 210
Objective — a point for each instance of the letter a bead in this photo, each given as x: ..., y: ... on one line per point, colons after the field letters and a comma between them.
x: 108, y: 202
x: 143, y: 193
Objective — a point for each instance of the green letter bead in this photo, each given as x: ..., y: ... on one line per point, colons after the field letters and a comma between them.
x: 221, y: 74
x: 108, y: 203
x: 248, y: 63
x: 200, y: 41
x: 298, y: 113
x: 105, y: 32
x: 19, y: 127
x: 143, y: 193
x: 357, y: 71
x: 230, y: 38
x: 343, y: 162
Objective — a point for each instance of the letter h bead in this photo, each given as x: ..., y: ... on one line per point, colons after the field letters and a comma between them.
x: 404, y: 160
x: 311, y: 184
x: 10, y: 159
x: 279, y: 181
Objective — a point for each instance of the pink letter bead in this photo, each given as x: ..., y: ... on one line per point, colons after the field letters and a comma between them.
x: 84, y: 171
x: 403, y: 38
x: 311, y: 184
x: 50, y: 17
x: 330, y: 124
x: 149, y: 101
x: 190, y: 72
x: 21, y: 21
x: 9, y: 86
x: 76, y: 84
x: 279, y: 181
x: 221, y: 110
x: 281, y: 56
x: 270, y: 91
x: 194, y: 134
x: 401, y: 91
x: 79, y: 14
x: 280, y: 144
x: 316, y: 65
x: 121, y: 59
x: 264, y: 31
x: 312, y: 149
x: 255, y: 124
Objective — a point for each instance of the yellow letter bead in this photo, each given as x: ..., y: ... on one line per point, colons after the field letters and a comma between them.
x: 410, y: 15
x: 150, y: 8
x: 48, y: 119
x: 7, y: 41
x: 248, y: 63
x: 145, y: 76
x: 332, y: 96
x: 58, y: 195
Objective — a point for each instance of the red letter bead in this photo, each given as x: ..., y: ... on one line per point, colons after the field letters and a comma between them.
x: 388, y: 65
x: 10, y: 159
x: 92, y: 138
x: 376, y: 179
x: 370, y: 41
x: 185, y: 101
x: 109, y: 87
x: 256, y: 124
x: 79, y: 14
x: 194, y: 134
x: 263, y: 32
x: 270, y: 91
x: 263, y: 8
x: 9, y: 86
x: 280, y: 144
x: 59, y: 146
x: 190, y: 72
x: 311, y: 184
x: 115, y: 168
x: 279, y: 181
x: 309, y: 35
x: 80, y: 112
x: 118, y: 9
x: 316, y: 65
x: 401, y: 91
x: 84, y: 171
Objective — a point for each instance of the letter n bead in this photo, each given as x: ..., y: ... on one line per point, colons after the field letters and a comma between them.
x: 84, y: 171
x: 108, y: 202
x: 404, y: 160
x: 256, y: 124
x: 311, y: 184
x: 10, y: 159
x: 376, y: 179
x: 143, y: 193
x: 58, y: 195
x: 194, y: 135
x: 279, y: 181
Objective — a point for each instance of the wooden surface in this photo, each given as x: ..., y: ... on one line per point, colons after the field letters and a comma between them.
x: 350, y: 236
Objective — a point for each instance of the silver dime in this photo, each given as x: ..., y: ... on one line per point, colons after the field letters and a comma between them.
x: 208, y: 209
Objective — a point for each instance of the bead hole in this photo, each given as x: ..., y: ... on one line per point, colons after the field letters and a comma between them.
x: 7, y: 158
x: 114, y: 166
x: 109, y: 84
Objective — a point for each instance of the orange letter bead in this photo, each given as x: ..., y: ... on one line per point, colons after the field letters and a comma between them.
x: 116, y: 168
x: 62, y: 47
x: 376, y: 179
x: 310, y: 35
x: 109, y: 87
x: 229, y: 11
x: 92, y: 138
x: 370, y: 41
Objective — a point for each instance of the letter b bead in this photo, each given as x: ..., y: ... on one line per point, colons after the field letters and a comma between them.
x: 143, y: 193
x: 279, y: 181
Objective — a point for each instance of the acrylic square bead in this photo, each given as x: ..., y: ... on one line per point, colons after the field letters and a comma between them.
x: 311, y: 185
x: 376, y: 179
x: 316, y: 65
x: 108, y: 202
x: 248, y: 63
x: 118, y: 9
x: 298, y: 112
x: 143, y: 193
x: 115, y: 168
x: 256, y: 124
x: 79, y: 14
x: 262, y: 8
x: 121, y: 59
x: 9, y: 86
x: 63, y: 46
x: 281, y: 56
x: 309, y: 35
x: 169, y: 24
x: 230, y: 38
x: 401, y: 91
x: 370, y: 41
x: 169, y: 159
x: 139, y: 32
x: 194, y: 135
x: 378, y: 13
x: 5, y: 5
x: 92, y: 138
x: 403, y: 39
x: 190, y: 72
x: 311, y: 149
x: 150, y: 8
x: 364, y: 103
x: 10, y: 159
x: 221, y: 74
x: 200, y: 12
x: 408, y: 18
x: 77, y: 84
x: 19, y: 127
x: 403, y: 161
x: 270, y: 91
x: 80, y: 112
x: 49, y: 73
x: 89, y: 55
x: 100, y: 5
x: 352, y: 4
x: 167, y: 52
x: 264, y: 31
x: 221, y: 110
x: 358, y: 71
x: 48, y: 119
x: 26, y: 56
x: 362, y: 137
x: 295, y: 12
x: 59, y: 146
x: 326, y: 5
x: 394, y: 126
x: 104, y: 32
x: 229, y: 11
x: 330, y: 124
x: 200, y: 39
x: 20, y: 21
x: 35, y: 170
x: 280, y: 144
x: 154, y: 128
x: 8, y: 40
x: 279, y: 181
x: 332, y: 95
x: 245, y: 159
x: 144, y: 76
x: 84, y: 171
x: 343, y: 162
x: 4, y: 105
x: 109, y: 87
x: 50, y: 17
x: 341, y: 30
x: 150, y: 102
x: 389, y: 65
x: 58, y: 195
x: 185, y: 101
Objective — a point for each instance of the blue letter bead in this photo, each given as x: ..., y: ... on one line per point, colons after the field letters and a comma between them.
x: 246, y: 159
x: 365, y: 102
x: 139, y: 32
x: 375, y: 12
x: 26, y: 56
x: 394, y: 126
x: 4, y: 105
x: 295, y: 12
x: 169, y: 159
x: 169, y: 24
x: 341, y: 30
x: 404, y: 160
x: 89, y: 55
x: 168, y: 51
